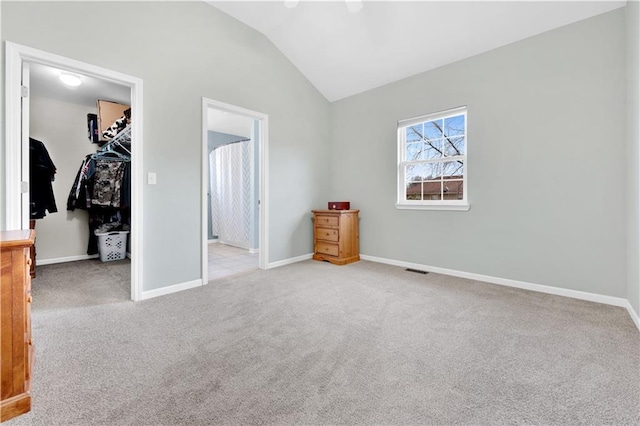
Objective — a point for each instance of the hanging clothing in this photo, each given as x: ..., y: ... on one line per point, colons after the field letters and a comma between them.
x: 107, y: 184
x: 125, y: 198
x: 80, y: 194
x: 41, y: 173
x: 102, y: 187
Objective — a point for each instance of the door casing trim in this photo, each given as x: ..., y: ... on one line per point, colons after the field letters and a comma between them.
x: 15, y: 55
x: 263, y: 191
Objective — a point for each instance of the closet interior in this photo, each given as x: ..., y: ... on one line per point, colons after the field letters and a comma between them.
x: 81, y: 208
x: 103, y: 183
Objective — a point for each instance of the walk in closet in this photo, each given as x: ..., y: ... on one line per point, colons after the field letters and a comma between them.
x: 86, y: 130
x: 102, y: 187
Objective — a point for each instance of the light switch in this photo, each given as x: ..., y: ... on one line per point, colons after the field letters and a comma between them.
x: 151, y: 178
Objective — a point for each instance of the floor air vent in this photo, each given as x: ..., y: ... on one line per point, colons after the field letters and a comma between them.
x: 417, y: 271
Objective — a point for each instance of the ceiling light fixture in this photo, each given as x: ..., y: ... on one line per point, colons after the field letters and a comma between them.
x: 290, y: 3
x: 70, y: 79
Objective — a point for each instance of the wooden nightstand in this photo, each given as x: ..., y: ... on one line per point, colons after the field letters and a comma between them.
x: 335, y: 236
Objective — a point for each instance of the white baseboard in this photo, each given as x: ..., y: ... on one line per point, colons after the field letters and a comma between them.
x: 289, y: 261
x: 575, y: 294
x: 232, y: 244
x: 217, y: 241
x: 41, y: 262
x: 634, y: 315
x: 149, y: 294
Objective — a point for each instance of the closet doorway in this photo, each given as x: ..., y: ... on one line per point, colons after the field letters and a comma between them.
x: 37, y: 107
x: 234, y: 195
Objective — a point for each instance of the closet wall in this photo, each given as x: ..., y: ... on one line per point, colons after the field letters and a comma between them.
x: 62, y: 127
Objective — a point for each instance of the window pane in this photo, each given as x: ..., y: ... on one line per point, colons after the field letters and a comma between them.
x: 414, y: 191
x: 432, y: 190
x: 452, y: 169
x: 414, y: 133
x: 414, y: 151
x: 433, y: 129
x: 432, y: 149
x: 452, y: 189
x: 431, y: 171
x: 454, y: 126
x: 412, y: 173
x: 413, y: 182
x: 454, y: 146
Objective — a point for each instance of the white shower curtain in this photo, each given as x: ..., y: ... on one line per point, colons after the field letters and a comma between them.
x: 232, y: 200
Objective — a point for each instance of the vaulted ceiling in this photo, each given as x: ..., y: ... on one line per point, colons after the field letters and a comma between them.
x: 343, y: 53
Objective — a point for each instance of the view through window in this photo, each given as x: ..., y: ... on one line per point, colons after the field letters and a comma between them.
x: 432, y: 152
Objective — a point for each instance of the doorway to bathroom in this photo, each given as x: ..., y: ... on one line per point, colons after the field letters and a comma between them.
x: 233, y: 190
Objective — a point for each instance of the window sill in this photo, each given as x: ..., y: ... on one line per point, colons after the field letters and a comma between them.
x: 449, y: 207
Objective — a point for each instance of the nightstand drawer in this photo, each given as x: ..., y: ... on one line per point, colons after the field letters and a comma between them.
x: 327, y: 234
x: 326, y: 248
x: 330, y: 221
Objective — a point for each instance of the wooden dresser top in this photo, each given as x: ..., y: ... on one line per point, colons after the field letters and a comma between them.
x: 334, y: 211
x: 23, y: 237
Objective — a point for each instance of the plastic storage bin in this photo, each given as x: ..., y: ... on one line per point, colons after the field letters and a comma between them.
x: 112, y: 245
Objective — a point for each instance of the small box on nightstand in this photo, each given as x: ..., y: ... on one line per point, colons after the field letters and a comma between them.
x: 339, y: 205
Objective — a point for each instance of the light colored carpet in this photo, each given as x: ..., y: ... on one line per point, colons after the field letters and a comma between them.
x: 314, y: 343
x: 81, y: 284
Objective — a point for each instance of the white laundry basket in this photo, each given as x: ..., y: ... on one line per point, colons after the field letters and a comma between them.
x: 112, y: 245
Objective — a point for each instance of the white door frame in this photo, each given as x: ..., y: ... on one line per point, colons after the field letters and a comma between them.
x: 15, y: 217
x: 263, y: 184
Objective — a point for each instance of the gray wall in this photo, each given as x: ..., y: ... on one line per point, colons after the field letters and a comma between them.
x: 184, y: 51
x: 633, y: 143
x: 62, y: 127
x: 546, y: 161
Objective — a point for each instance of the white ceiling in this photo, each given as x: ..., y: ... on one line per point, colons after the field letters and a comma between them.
x: 230, y: 123
x: 343, y: 54
x: 45, y: 82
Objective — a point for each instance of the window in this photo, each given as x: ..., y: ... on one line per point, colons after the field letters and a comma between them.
x: 432, y: 161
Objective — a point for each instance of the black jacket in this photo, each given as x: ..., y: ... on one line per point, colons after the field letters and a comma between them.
x: 41, y: 174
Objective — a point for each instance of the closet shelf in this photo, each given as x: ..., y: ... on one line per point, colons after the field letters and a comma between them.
x: 123, y: 136
x: 118, y: 140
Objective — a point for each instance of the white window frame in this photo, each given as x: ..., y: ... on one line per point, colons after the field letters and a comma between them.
x: 402, y: 202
